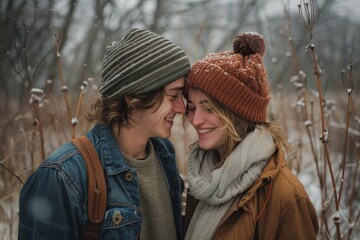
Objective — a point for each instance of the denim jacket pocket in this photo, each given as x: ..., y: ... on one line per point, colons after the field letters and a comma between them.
x: 121, y: 223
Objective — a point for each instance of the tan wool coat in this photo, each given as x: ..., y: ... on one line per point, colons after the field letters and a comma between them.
x: 275, y: 207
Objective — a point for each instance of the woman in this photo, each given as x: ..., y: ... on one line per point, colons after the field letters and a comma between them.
x: 239, y: 184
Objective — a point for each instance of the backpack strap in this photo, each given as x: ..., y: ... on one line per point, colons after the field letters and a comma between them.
x: 96, y: 185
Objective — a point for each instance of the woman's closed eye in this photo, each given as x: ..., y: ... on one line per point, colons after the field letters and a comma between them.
x: 209, y: 110
x: 190, y: 109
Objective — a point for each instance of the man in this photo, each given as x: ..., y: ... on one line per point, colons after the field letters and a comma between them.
x: 141, y: 88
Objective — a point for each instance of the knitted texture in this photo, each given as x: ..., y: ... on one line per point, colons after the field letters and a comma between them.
x: 216, y: 189
x: 237, y: 78
x: 140, y: 63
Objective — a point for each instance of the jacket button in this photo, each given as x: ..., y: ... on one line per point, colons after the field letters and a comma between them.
x: 128, y: 176
x: 117, y: 218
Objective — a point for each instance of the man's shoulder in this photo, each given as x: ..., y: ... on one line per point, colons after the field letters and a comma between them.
x: 62, y: 156
x: 67, y: 162
x: 64, y: 167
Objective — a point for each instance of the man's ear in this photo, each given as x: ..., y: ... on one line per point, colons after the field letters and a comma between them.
x: 128, y: 99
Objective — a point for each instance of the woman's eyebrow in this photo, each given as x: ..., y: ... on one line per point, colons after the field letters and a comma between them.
x: 201, y: 101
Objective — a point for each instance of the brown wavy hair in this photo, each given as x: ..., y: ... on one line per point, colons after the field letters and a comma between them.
x: 118, y: 112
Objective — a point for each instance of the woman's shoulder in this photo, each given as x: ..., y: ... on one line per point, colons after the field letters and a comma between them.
x: 287, y: 187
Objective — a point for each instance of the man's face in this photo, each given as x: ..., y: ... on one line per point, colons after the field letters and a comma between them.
x: 158, y: 123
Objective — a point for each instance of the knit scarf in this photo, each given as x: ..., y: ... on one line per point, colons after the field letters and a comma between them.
x: 217, y: 188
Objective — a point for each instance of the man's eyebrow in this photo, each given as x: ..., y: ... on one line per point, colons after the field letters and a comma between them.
x: 177, y: 88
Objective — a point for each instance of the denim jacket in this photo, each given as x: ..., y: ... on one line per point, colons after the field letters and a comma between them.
x: 53, y: 201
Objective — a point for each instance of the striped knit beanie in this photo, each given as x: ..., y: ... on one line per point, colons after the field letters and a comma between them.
x: 237, y: 78
x: 140, y: 63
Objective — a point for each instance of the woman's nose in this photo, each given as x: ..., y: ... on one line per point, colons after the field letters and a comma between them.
x: 197, y: 118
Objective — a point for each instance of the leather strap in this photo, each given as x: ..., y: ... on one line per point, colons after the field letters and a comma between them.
x: 92, y: 231
x: 96, y: 181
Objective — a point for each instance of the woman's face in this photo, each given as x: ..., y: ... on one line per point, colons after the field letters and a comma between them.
x: 208, y: 125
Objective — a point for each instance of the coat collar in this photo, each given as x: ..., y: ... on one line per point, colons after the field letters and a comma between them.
x: 270, y: 171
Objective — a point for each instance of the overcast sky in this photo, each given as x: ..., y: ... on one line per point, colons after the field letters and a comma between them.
x: 343, y: 7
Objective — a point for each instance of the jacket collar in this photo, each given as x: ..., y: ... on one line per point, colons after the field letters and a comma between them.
x: 270, y: 171
x: 110, y: 154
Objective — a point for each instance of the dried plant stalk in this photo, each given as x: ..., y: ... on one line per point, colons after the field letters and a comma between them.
x: 348, y: 89
x: 57, y: 43
x: 307, y: 17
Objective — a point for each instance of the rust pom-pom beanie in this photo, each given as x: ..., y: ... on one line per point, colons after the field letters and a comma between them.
x: 237, y: 78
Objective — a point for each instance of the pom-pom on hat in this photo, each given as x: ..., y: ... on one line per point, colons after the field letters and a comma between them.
x: 237, y: 78
x: 140, y: 63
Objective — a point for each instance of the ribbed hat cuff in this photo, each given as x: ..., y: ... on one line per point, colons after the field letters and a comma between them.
x: 225, y: 88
